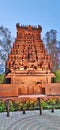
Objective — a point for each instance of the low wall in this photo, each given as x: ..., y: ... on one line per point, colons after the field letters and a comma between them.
x: 53, y: 89
x: 11, y: 90
x: 7, y: 90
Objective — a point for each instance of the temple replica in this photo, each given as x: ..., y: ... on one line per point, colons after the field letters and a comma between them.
x: 28, y: 67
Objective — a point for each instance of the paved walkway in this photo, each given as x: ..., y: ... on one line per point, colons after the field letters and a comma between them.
x: 30, y: 121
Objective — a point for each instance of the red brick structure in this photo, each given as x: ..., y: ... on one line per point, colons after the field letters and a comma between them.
x: 28, y: 68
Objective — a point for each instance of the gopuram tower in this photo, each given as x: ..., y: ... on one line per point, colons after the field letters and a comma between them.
x: 28, y: 68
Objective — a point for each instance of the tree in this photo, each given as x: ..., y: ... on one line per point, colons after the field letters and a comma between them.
x: 57, y: 78
x: 51, y: 44
x: 5, y: 44
x: 58, y: 48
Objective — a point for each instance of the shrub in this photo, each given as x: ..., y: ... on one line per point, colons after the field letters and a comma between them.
x: 2, y: 106
x: 51, y: 101
x: 18, y: 105
x: 11, y: 106
x: 57, y: 74
x: 44, y: 104
x: 2, y: 78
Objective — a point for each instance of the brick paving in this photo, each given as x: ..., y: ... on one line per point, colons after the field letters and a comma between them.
x: 30, y: 121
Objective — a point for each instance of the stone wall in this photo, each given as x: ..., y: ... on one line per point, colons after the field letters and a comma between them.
x: 52, y: 89
x: 7, y: 90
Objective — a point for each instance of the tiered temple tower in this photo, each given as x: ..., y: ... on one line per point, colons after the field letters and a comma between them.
x: 28, y: 67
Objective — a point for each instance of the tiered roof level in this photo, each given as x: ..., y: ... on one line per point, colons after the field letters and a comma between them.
x: 28, y: 53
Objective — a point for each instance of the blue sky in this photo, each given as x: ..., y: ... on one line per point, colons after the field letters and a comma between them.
x: 34, y: 12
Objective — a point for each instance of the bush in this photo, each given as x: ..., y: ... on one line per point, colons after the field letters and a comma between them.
x: 44, y: 104
x: 57, y: 107
x: 2, y: 106
x: 31, y: 104
x: 58, y: 101
x: 11, y: 106
x: 2, y: 78
x: 51, y: 102
x: 57, y: 74
x: 18, y: 105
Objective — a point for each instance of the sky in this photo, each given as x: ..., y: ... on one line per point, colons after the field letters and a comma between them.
x: 31, y: 12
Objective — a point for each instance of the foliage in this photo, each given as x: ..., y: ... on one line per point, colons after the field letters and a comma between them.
x: 51, y: 44
x: 58, y: 101
x: 18, y: 105
x: 57, y: 74
x: 51, y: 101
x: 57, y: 106
x: 2, y: 106
x: 11, y: 106
x: 32, y: 104
x: 5, y: 44
x: 2, y: 78
x: 44, y: 104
